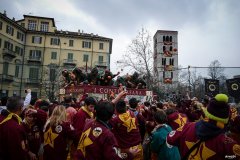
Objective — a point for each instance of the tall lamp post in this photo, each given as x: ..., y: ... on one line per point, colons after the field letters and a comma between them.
x: 189, y: 80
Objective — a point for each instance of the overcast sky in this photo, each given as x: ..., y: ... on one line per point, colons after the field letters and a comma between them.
x: 207, y: 29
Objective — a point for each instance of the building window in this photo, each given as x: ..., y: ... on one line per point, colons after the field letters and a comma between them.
x: 14, y: 93
x: 19, y: 50
x: 1, y: 25
x: 52, y: 74
x: 4, y: 93
x: 85, y: 58
x: 100, y: 59
x: 17, y: 71
x: 86, y: 44
x: 170, y: 38
x: 172, y: 75
x: 44, y: 26
x: 170, y: 48
x: 164, y: 48
x: 71, y: 43
x: 20, y: 36
x: 167, y: 38
x: 8, y: 45
x: 0, y: 43
x: 55, y: 41
x: 36, y: 39
x: 5, y: 68
x: 33, y: 73
x: 35, y: 54
x: 101, y: 46
x: 9, y: 30
x: 168, y: 74
x: 23, y: 25
x: 171, y: 61
x: 54, y: 55
x: 70, y: 56
x: 163, y: 61
x: 32, y: 25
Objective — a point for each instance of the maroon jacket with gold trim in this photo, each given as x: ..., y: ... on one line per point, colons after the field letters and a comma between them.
x: 216, y: 148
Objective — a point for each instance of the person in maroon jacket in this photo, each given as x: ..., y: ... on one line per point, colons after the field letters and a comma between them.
x: 86, y: 112
x: 234, y: 125
x: 206, y: 139
x: 97, y: 141
x: 57, y: 134
x: 33, y: 125
x: 133, y: 106
x: 12, y: 135
x: 175, y: 119
x: 125, y: 129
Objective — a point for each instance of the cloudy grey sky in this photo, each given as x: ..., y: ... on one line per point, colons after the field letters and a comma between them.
x: 207, y: 29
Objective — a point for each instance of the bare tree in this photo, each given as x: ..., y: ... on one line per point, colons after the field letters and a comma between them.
x: 139, y: 56
x: 215, y: 70
x: 191, y: 80
x: 51, y: 82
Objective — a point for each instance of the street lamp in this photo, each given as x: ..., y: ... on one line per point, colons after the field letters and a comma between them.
x: 189, y: 80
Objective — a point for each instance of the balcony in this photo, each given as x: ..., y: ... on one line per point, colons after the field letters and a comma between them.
x: 32, y: 81
x: 100, y: 64
x: 34, y: 59
x: 7, y: 78
x: 70, y: 62
x: 8, y: 54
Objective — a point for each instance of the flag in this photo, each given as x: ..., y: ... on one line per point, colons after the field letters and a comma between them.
x: 233, y: 86
x: 211, y: 87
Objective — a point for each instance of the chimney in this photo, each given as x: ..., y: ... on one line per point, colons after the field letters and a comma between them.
x: 5, y: 13
x: 13, y: 19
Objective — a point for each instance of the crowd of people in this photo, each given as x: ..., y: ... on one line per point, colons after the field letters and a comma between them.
x: 88, y: 129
